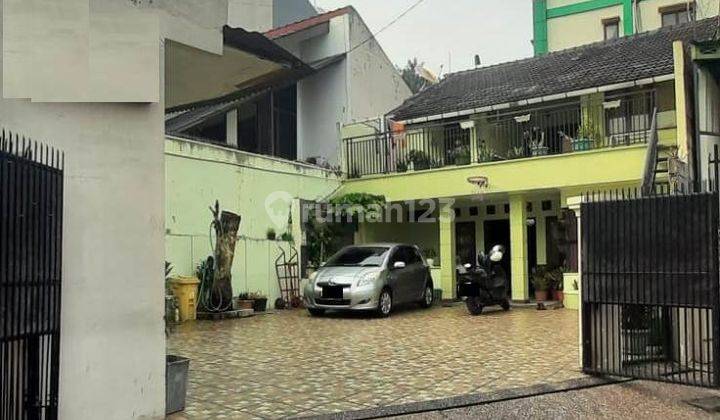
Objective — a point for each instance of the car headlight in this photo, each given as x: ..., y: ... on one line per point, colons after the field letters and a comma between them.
x: 367, y: 278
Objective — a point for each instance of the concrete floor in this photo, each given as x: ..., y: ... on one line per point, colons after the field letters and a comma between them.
x: 629, y: 400
x: 290, y: 364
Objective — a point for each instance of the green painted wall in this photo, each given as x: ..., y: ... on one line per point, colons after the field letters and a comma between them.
x: 197, y: 174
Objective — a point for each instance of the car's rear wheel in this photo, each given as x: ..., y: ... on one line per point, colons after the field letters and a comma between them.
x: 385, y: 303
x: 427, y: 300
x: 316, y: 311
x: 474, y: 305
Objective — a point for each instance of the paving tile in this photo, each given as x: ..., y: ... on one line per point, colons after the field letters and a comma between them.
x: 291, y: 364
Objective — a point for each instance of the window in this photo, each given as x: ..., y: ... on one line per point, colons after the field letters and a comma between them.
x: 611, y: 28
x: 490, y: 210
x: 474, y: 211
x: 678, y: 13
x: 358, y: 256
x: 546, y: 205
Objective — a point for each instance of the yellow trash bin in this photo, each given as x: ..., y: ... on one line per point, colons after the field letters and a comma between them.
x: 185, y: 290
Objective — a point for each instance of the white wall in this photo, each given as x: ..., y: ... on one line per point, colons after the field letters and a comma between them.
x: 321, y: 108
x: 112, y: 360
x: 376, y: 86
x: 363, y: 85
x: 708, y: 98
x: 251, y: 15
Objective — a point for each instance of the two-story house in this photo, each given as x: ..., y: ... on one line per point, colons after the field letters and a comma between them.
x: 273, y: 126
x: 495, y: 155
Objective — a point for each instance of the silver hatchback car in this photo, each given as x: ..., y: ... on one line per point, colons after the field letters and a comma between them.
x: 372, y: 277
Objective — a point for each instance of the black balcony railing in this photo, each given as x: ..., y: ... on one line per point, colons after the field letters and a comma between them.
x: 581, y: 125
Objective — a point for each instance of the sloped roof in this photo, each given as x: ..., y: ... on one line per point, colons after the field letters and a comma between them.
x: 306, y: 23
x: 620, y: 60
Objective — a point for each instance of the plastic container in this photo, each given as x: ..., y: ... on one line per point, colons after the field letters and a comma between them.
x: 185, y: 290
x: 176, y: 378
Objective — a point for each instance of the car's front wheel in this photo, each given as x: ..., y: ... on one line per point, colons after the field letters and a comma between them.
x: 385, y: 303
x: 427, y: 300
x: 316, y: 311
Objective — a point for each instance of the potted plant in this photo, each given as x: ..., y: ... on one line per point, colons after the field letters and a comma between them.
x: 461, y: 155
x: 635, y: 330
x: 430, y: 255
x: 287, y: 237
x: 515, y: 153
x: 171, y: 307
x: 555, y: 278
x: 270, y: 234
x: 537, y: 146
x: 401, y: 165
x: 259, y: 301
x: 176, y: 367
x: 540, y: 282
x: 586, y: 136
x: 485, y: 153
x: 419, y: 159
x: 243, y: 301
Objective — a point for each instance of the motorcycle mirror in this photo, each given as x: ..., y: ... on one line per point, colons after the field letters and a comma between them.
x: 399, y: 264
x: 467, y: 265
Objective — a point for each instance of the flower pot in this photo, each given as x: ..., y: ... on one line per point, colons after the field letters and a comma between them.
x: 539, y: 151
x: 244, y: 303
x: 581, y: 144
x: 176, y: 378
x: 260, y: 304
x: 462, y: 160
x: 541, y: 295
x: 558, y: 295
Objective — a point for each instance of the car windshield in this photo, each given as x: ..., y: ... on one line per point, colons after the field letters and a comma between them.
x: 366, y: 256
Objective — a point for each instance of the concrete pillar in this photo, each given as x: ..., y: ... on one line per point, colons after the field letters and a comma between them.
x: 574, y: 205
x: 518, y: 248
x: 447, y: 249
x: 231, y: 124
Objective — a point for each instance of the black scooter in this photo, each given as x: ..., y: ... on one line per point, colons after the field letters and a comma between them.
x: 486, y: 284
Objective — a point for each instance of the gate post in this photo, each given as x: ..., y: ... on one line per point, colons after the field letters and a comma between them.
x: 574, y: 205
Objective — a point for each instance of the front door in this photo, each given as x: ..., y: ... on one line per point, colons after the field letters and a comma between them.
x: 497, y: 232
x: 465, y: 242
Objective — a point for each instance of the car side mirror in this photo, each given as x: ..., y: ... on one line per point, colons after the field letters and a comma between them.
x: 467, y: 265
x: 399, y: 264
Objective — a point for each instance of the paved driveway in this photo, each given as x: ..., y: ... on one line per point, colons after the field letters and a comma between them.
x: 289, y: 364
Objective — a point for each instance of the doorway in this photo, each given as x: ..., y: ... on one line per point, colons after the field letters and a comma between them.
x: 497, y: 232
x: 465, y: 242
x: 531, y: 252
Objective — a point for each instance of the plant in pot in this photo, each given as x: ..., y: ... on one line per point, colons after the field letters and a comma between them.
x: 586, y: 135
x: 287, y: 237
x: 176, y: 367
x: 540, y: 282
x: 259, y: 301
x: 401, y: 165
x: 485, y: 153
x: 537, y: 145
x: 461, y: 154
x: 171, y: 304
x: 419, y: 159
x: 430, y: 256
x: 270, y: 234
x: 555, y: 278
x: 244, y: 301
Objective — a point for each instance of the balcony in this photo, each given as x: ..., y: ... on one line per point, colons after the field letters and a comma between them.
x: 562, y: 128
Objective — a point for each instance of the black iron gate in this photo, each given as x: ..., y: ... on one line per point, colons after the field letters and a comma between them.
x: 31, y: 191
